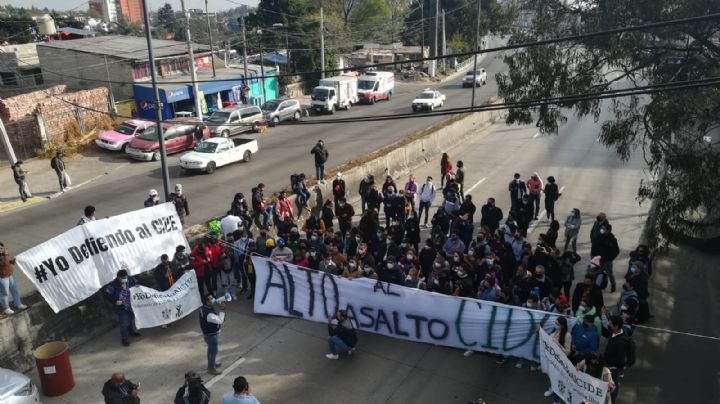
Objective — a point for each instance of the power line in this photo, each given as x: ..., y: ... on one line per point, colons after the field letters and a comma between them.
x: 634, y: 28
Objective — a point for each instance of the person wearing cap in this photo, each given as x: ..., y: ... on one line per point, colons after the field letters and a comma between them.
x: 152, y: 200
x: 535, y: 188
x: 180, y: 201
x: 192, y: 391
x: 426, y: 196
x: 552, y: 194
x: 119, y: 390
x: 321, y: 156
x: 281, y: 252
x: 338, y: 189
x: 211, y: 322
x: 241, y: 393
x: 118, y: 293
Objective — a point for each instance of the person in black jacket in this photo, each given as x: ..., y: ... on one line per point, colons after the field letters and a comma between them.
x: 180, y: 201
x: 616, y: 352
x: 588, y: 288
x: 119, y: 390
x: 338, y: 188
x: 342, y: 335
x: 321, y: 156
x: 552, y: 193
x: 344, y: 212
x: 606, y: 246
x: 58, y: 165
x: 491, y: 215
x: 374, y: 198
x: 364, y: 190
x: 193, y: 391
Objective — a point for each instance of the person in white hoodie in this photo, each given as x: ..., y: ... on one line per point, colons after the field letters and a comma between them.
x: 426, y: 196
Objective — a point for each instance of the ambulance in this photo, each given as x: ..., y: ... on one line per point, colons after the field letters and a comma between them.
x: 375, y: 86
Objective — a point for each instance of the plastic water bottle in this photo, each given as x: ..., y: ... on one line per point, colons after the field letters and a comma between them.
x: 223, y: 299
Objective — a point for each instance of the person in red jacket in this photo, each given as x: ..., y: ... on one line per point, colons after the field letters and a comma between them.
x: 200, y: 259
x: 214, y: 273
x: 445, y: 168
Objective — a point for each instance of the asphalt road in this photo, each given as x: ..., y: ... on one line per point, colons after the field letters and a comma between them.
x: 284, y: 358
x: 283, y: 151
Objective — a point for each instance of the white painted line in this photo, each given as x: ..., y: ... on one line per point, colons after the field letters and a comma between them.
x: 476, y: 185
x: 536, y: 135
x: 225, y: 372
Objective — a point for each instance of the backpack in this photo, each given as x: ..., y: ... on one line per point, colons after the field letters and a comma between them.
x: 630, y: 351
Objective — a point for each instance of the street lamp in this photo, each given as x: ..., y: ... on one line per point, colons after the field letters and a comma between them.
x: 287, y: 46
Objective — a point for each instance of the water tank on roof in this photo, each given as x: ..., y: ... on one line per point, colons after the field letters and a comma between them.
x: 46, y: 25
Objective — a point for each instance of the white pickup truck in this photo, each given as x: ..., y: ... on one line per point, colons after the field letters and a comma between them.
x: 217, y: 152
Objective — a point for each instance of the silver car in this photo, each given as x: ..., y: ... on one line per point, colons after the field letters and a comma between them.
x: 233, y: 120
x: 16, y: 388
x: 276, y: 111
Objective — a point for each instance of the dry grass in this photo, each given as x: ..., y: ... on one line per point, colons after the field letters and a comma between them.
x: 73, y: 141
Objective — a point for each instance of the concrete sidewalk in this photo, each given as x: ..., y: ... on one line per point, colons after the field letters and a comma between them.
x: 43, y: 182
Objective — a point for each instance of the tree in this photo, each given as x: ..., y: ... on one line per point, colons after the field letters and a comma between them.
x: 669, y: 128
x: 369, y: 20
x: 168, y: 23
x: 127, y: 28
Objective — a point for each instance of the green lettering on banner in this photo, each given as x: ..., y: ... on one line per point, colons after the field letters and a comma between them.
x: 531, y: 331
x: 458, y: 323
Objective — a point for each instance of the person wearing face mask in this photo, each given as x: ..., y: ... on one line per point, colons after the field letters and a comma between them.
x: 464, y: 228
x: 488, y: 290
x: 606, y: 246
x: 314, y: 258
x: 152, y: 200
x: 412, y: 230
x: 413, y: 278
x: 427, y: 195
x: 464, y: 286
x: 364, y: 189
x: 408, y: 260
x: 344, y: 212
x: 387, y: 248
x: 440, y: 225
x: 637, y: 279
x: 491, y: 215
x: 313, y: 223
x: 396, y: 231
x: 338, y: 189
x: 392, y: 272
x: 628, y: 301
x: 586, y: 308
x: 585, y: 339
x: 454, y: 245
x: 572, y: 228
x: 327, y: 265
x: 426, y: 257
x: 239, y: 206
x: 542, y: 285
x: 587, y: 288
x: 524, y: 214
x: 389, y: 205
x: 352, y: 270
x: 411, y: 190
x: 517, y: 189
x: 179, y: 199
x: 118, y: 293
x: 456, y: 260
x: 535, y: 188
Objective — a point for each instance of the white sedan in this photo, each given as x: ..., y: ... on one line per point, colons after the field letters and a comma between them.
x: 428, y: 100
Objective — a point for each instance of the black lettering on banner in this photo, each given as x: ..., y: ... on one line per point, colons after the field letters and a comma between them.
x: 112, y: 241
x: 129, y: 236
x: 396, y: 323
x: 101, y: 244
x: 367, y: 312
x: 311, y: 292
x: 269, y: 284
x: 120, y: 238
x: 458, y: 323
x: 418, y: 321
x: 84, y: 251
x: 62, y: 263
x: 386, y: 289
x: 140, y: 230
x: 336, y: 291
x: 351, y: 316
x: 291, y: 294
x: 532, y: 330
x: 75, y: 254
x: 382, y: 319
x: 147, y: 230
x: 445, y: 329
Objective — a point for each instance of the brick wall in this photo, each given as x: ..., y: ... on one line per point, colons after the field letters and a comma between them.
x: 56, y: 107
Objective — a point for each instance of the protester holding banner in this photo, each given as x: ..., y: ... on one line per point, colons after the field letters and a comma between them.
x: 593, y: 366
x: 562, y: 338
x: 118, y: 293
x: 619, y: 351
x: 211, y: 324
x: 343, y: 336
x: 88, y: 215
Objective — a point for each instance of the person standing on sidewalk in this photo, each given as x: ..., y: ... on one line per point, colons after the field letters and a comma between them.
x: 119, y: 390
x: 7, y: 283
x: 411, y: 190
x: 211, y: 324
x: 427, y: 195
x: 606, y: 246
x: 58, y: 165
x: 338, y: 189
x: 552, y: 194
x: 572, y: 229
x: 19, y: 176
x: 241, y: 394
x: 321, y: 155
x: 364, y: 190
x: 460, y: 179
x: 445, y: 168
x: 118, y: 293
x: 517, y: 190
x: 180, y: 201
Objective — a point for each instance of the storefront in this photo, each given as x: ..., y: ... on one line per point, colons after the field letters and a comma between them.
x: 175, y: 98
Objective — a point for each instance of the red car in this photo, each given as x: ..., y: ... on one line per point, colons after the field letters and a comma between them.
x: 179, y: 136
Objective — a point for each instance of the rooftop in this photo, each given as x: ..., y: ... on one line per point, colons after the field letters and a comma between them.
x: 124, y: 47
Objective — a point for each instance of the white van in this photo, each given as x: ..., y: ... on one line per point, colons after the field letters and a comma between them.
x: 376, y: 86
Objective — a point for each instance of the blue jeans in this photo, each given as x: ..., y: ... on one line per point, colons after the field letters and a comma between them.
x: 212, y: 342
x: 607, y: 267
x: 125, y: 318
x: 7, y: 287
x: 320, y: 171
x: 335, y: 343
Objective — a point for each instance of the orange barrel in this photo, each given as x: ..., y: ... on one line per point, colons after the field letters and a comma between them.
x: 53, y: 365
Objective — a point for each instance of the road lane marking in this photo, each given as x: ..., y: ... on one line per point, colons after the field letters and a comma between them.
x: 476, y: 185
x: 225, y: 372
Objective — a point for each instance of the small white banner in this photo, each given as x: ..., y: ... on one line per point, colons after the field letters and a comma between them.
x: 74, y: 265
x: 573, y: 386
x: 153, y: 308
x: 396, y: 311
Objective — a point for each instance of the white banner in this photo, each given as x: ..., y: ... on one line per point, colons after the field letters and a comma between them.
x: 72, y: 266
x: 399, y: 312
x: 573, y: 386
x: 153, y: 308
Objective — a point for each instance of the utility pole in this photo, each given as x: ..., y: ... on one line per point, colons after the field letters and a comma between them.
x: 435, y: 41
x: 444, y: 42
x: 477, y: 48
x: 322, y: 44
x: 422, y: 36
x: 246, y: 86
x: 193, y: 74
x: 212, y: 54
x: 7, y: 145
x: 158, y: 105
x: 112, y: 95
x: 262, y: 67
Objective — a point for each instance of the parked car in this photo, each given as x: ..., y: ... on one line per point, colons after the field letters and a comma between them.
x: 16, y: 388
x: 276, y: 111
x: 218, y: 152
x: 118, y: 138
x: 233, y: 120
x: 179, y: 135
x: 478, y: 77
x: 428, y: 99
